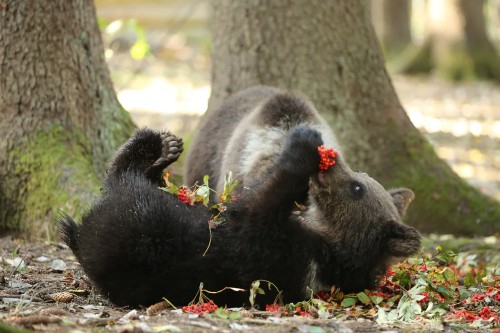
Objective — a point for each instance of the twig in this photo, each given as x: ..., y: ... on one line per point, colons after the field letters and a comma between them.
x: 20, y: 262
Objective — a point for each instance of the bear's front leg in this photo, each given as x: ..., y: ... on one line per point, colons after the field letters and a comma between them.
x: 147, y: 152
x: 288, y: 180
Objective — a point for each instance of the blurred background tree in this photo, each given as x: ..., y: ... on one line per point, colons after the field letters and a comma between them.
x: 392, y: 22
x: 456, y: 42
x: 329, y: 51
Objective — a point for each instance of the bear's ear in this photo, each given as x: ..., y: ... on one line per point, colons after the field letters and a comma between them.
x: 403, y: 240
x: 402, y: 198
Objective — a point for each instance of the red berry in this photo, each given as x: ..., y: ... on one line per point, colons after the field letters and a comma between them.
x: 327, y: 158
x: 184, y: 195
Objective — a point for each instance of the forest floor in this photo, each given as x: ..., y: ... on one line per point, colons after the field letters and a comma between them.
x: 43, y: 288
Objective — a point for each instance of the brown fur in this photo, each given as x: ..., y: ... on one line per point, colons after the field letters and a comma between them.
x: 246, y: 136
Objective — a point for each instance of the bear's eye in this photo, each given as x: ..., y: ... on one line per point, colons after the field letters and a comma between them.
x: 357, y: 189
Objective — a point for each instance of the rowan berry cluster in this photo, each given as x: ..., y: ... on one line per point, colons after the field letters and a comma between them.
x: 289, y: 310
x: 380, y: 294
x: 327, y: 158
x: 492, y: 293
x: 201, y: 309
x: 486, y: 314
x: 184, y: 195
x: 386, y: 284
x: 273, y: 307
x: 431, y: 296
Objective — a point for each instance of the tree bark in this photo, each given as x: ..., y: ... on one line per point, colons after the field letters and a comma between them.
x: 328, y: 51
x: 392, y: 21
x: 60, y: 120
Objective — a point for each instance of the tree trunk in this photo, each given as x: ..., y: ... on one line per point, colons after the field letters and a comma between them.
x: 60, y: 120
x: 457, y: 44
x: 328, y: 51
x: 391, y: 19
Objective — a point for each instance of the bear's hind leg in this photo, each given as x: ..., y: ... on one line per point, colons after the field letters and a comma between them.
x: 147, y: 152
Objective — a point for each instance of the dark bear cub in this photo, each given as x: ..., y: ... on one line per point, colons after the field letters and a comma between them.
x: 139, y: 244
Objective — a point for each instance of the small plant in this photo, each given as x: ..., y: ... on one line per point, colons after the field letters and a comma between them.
x: 202, y: 304
x: 201, y: 194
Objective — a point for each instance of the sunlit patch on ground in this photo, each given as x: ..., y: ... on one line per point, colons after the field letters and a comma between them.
x: 462, y: 120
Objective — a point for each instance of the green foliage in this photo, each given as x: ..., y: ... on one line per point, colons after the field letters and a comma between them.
x: 460, y: 290
x: 140, y: 47
x: 201, y: 194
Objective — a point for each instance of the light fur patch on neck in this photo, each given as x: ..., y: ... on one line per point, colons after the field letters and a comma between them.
x: 314, y: 221
x: 312, y: 279
x: 262, y: 145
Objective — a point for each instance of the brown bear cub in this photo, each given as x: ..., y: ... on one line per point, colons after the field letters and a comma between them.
x: 139, y: 244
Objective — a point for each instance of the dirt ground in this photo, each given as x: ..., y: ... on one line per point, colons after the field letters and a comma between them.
x: 43, y: 288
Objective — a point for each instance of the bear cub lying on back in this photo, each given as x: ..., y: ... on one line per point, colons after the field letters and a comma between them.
x: 139, y: 244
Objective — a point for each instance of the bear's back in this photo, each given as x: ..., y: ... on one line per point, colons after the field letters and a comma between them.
x: 247, y: 133
x: 207, y: 149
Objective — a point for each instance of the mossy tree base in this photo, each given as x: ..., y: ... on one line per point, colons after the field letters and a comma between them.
x: 61, y: 120
x: 444, y: 203
x: 56, y: 175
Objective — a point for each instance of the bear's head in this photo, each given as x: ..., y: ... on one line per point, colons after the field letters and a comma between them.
x: 359, y: 217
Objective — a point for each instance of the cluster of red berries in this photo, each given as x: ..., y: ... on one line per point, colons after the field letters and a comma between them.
x: 486, y: 313
x: 299, y: 311
x: 201, y: 309
x: 387, y: 286
x: 380, y: 294
x: 273, y: 307
x: 465, y: 315
x: 427, y: 296
x: 327, y: 158
x: 477, y: 297
x: 491, y: 292
x: 303, y: 312
x: 184, y: 195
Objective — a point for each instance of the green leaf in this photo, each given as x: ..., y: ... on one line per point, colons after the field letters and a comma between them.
x: 446, y: 256
x: 415, y: 261
x: 403, y: 278
x: 376, y: 299
x: 221, y: 313
x: 234, y: 315
x: 139, y: 50
x: 464, y: 293
x: 260, y: 291
x: 382, y: 317
x: 363, y: 298
x: 446, y: 292
x: 349, y: 301
x: 392, y: 300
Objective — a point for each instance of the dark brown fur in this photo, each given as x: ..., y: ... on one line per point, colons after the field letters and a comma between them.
x: 246, y: 136
x: 139, y: 244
